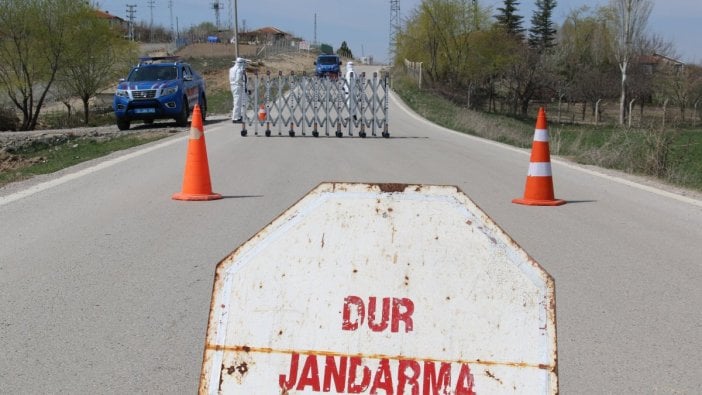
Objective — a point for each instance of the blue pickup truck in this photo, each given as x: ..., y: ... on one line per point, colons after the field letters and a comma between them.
x: 159, y: 88
x: 327, y: 65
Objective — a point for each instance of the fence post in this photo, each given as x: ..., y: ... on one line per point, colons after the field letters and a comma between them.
x: 597, y: 112
x: 665, y: 110
x: 560, y: 99
x: 420, y: 76
x: 631, y: 107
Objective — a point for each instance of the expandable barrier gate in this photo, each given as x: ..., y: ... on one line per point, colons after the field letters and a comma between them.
x: 317, y: 105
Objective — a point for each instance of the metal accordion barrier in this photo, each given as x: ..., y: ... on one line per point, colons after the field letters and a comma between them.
x: 292, y: 104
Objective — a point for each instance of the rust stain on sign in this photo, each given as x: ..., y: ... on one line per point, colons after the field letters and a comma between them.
x: 388, y: 188
x: 268, y: 350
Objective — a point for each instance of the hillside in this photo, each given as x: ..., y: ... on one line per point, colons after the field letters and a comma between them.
x: 214, y: 60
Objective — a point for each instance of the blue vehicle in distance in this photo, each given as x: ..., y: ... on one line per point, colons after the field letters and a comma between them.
x: 159, y: 88
x: 328, y: 65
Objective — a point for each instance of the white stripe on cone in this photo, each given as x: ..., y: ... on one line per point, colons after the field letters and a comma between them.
x: 195, y: 134
x: 539, y: 169
x: 541, y: 135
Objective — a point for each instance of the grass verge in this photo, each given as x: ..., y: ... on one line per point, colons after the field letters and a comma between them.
x: 47, y: 157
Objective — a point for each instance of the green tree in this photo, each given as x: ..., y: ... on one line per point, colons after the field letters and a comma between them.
x: 495, y: 52
x: 542, y: 34
x: 465, y: 56
x: 438, y: 34
x: 344, y: 50
x: 96, y: 56
x: 585, y: 63
x: 35, y: 35
x: 509, y: 20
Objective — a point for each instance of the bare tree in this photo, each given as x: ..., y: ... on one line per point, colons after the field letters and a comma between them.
x: 34, y: 37
x: 95, y: 58
x: 681, y: 84
x: 523, y: 79
x: 629, y: 19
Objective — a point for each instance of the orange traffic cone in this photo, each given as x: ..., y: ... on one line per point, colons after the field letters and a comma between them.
x: 196, y: 181
x: 262, y: 113
x: 539, y: 182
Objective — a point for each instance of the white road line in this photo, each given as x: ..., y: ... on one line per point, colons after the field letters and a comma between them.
x: 633, y: 184
x: 68, y: 177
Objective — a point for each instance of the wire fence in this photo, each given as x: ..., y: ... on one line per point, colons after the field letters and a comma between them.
x: 602, y: 112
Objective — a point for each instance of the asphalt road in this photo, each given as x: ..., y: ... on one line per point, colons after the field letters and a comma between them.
x: 105, y: 282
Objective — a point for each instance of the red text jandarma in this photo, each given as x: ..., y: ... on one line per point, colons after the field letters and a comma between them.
x: 348, y: 375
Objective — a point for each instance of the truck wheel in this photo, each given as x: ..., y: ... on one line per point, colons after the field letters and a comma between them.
x: 123, y: 124
x: 182, y: 119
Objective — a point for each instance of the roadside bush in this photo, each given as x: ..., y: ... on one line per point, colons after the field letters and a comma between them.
x: 8, y: 119
x: 62, y: 120
x: 647, y: 151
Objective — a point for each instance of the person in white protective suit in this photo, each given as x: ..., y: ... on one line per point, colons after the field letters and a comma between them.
x: 348, y: 85
x: 237, y: 83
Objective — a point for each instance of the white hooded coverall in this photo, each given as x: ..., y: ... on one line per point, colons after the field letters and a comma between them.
x: 237, y: 82
x: 350, y: 88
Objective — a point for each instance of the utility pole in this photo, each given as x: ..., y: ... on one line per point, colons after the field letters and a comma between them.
x: 131, y: 15
x: 394, y: 28
x: 236, y: 30
x: 315, y: 30
x: 151, y: 23
x: 230, y: 8
x: 173, y: 34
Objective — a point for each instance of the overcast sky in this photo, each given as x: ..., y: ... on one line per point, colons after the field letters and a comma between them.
x: 364, y: 24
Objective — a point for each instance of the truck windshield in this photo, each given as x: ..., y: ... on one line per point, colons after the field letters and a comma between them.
x: 328, y: 60
x: 153, y: 74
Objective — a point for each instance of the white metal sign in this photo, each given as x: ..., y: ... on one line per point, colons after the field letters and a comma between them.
x: 381, y: 289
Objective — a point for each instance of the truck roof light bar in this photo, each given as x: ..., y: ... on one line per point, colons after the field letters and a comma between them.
x: 158, y: 59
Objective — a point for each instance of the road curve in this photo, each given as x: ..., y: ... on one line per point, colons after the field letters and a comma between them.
x: 105, y: 282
